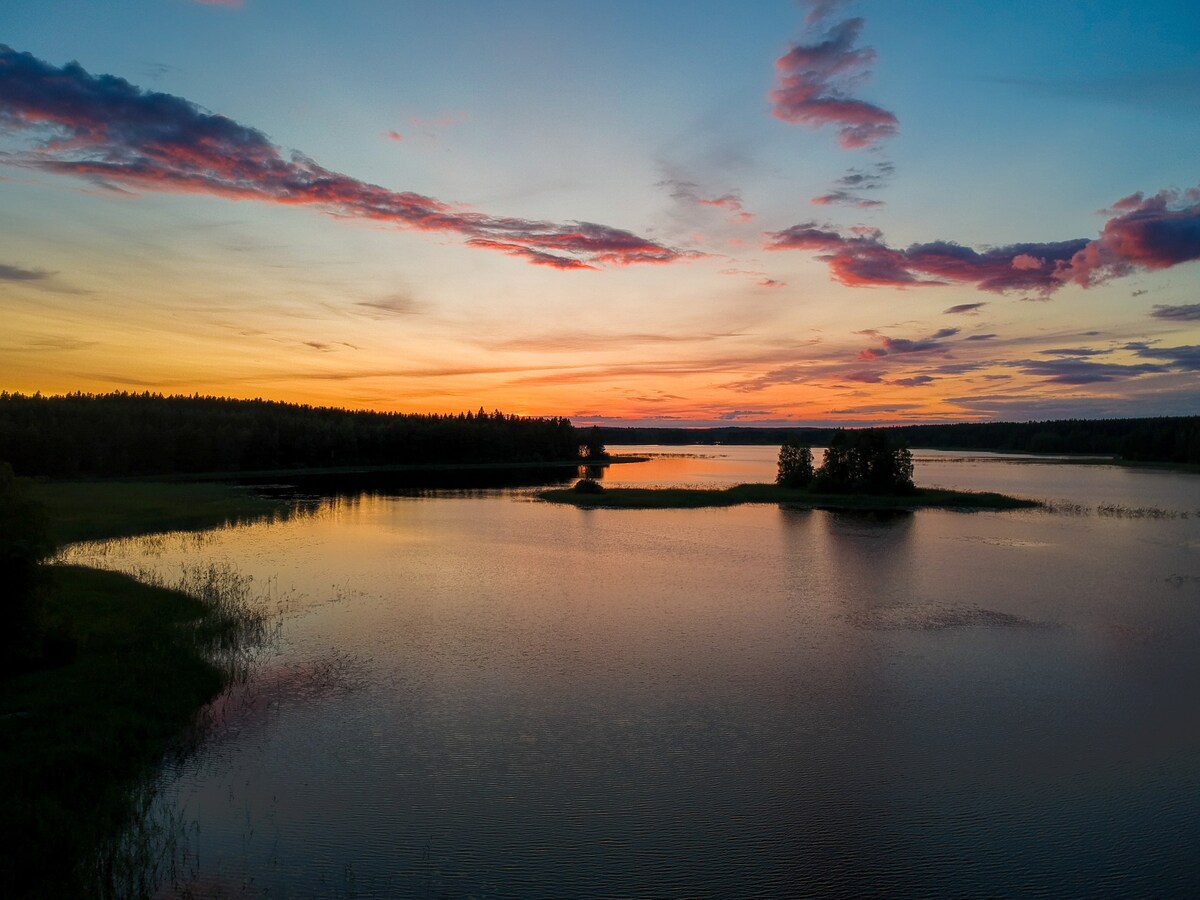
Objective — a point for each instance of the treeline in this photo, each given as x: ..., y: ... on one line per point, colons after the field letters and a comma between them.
x: 1163, y: 439
x: 123, y: 434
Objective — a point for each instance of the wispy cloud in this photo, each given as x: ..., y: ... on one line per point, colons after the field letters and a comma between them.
x: 1143, y: 233
x: 384, y: 307
x: 108, y: 130
x: 968, y: 309
x: 846, y: 191
x: 815, y: 81
x: 689, y: 193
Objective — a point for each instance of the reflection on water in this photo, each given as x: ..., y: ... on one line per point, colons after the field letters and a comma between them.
x: 520, y: 699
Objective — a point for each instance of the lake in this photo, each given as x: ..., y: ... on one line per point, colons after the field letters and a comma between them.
x: 476, y: 693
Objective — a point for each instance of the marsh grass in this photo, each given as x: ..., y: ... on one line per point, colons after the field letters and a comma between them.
x: 81, y: 744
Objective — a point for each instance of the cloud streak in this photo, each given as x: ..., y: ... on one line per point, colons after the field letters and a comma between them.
x: 1188, y: 312
x: 1142, y: 234
x: 815, y: 81
x: 110, y: 131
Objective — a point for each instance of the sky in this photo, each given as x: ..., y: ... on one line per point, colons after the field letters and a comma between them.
x: 674, y: 213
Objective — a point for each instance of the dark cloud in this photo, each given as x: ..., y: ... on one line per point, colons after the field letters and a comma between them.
x: 914, y: 381
x: 981, y: 337
x: 889, y: 346
x: 845, y: 198
x: 1188, y: 312
x: 16, y: 273
x: 1186, y: 358
x: 814, y: 84
x: 1142, y: 233
x: 845, y: 189
x: 964, y: 309
x: 116, y: 134
x: 1081, y: 371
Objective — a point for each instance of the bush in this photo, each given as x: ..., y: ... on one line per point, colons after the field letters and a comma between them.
x: 588, y: 486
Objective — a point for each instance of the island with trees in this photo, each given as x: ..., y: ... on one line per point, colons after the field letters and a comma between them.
x: 868, y: 469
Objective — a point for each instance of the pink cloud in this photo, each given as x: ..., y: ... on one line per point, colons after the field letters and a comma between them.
x: 116, y: 134
x: 393, y: 135
x: 814, y: 81
x: 1149, y: 233
x: 1152, y: 233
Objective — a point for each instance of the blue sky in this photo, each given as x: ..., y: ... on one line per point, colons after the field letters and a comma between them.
x: 1029, y: 166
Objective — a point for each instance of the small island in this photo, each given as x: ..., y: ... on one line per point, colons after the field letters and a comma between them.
x: 863, y: 470
x: 697, y: 498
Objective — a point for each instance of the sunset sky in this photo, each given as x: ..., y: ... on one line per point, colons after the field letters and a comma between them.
x: 674, y: 213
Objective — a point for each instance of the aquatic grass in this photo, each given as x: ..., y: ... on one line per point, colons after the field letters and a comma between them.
x: 1119, y: 511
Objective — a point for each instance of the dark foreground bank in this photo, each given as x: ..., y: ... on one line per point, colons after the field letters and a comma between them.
x: 112, y: 679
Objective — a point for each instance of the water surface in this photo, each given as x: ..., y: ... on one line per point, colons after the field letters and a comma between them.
x: 487, y: 695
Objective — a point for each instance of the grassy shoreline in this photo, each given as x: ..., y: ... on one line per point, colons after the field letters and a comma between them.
x: 698, y: 498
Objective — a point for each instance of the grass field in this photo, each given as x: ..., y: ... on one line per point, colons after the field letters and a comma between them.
x: 696, y: 498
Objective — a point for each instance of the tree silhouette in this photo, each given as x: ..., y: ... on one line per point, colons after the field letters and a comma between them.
x: 867, y: 461
x: 795, y: 464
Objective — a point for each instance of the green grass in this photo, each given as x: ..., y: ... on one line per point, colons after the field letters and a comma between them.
x: 696, y: 498
x: 92, y: 510
x: 78, y: 740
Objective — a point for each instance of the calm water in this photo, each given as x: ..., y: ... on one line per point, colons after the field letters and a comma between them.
x: 487, y: 695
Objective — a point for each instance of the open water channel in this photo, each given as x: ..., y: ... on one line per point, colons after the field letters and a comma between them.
x: 477, y: 693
